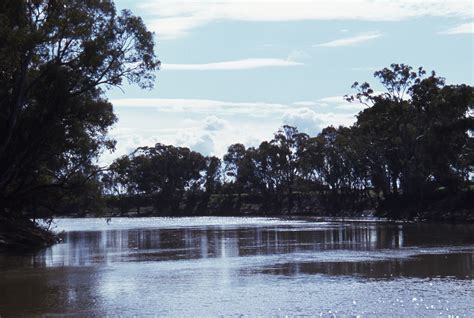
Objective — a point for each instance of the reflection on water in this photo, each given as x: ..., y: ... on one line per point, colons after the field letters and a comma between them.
x: 183, y: 263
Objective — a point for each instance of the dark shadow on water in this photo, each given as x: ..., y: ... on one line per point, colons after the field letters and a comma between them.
x: 459, y: 266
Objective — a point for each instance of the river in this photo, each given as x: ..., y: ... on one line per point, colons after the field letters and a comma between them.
x: 214, y: 266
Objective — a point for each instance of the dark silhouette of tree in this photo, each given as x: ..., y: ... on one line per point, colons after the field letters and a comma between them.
x: 57, y: 58
x: 212, y: 175
x: 416, y: 133
x: 289, y: 144
x: 164, y: 176
x: 234, y: 167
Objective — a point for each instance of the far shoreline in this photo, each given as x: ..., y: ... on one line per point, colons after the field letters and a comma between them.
x: 16, y: 235
x: 337, y: 218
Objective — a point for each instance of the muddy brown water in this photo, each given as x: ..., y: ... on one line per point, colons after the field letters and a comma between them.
x: 213, y: 266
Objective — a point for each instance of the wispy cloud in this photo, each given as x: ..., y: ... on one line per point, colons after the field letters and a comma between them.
x: 305, y: 103
x: 203, y: 106
x: 332, y: 100
x: 171, y: 19
x: 460, y: 29
x: 243, y: 64
x: 187, y: 102
x: 351, y: 40
x: 335, y: 104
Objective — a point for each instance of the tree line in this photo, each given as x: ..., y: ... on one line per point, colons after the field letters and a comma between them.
x: 412, y: 145
x: 410, y: 150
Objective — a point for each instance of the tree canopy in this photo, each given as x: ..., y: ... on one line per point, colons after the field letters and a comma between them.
x: 57, y: 59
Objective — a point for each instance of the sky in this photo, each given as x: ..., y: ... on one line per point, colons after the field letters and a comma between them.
x: 236, y: 71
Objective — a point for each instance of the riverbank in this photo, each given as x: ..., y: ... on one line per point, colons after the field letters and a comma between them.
x: 462, y: 216
x: 24, y: 234
x: 438, y: 206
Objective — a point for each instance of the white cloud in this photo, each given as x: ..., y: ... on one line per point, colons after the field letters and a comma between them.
x: 204, y: 145
x: 195, y: 138
x: 174, y: 27
x: 215, y: 142
x: 206, y: 106
x: 243, y: 64
x: 332, y: 100
x: 337, y: 119
x: 465, y: 28
x: 305, y: 119
x: 340, y: 103
x: 214, y: 123
x: 210, y: 126
x: 248, y: 109
x: 184, y: 102
x: 353, y: 107
x: 127, y: 141
x: 209, y: 135
x: 351, y: 40
x: 305, y: 103
x: 171, y: 19
x: 212, y: 107
x: 200, y: 141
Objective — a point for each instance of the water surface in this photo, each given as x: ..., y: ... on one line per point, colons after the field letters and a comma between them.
x: 212, y: 266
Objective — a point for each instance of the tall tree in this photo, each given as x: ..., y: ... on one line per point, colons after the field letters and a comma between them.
x: 57, y: 59
x: 165, y: 173
x: 290, y: 144
x: 417, y: 132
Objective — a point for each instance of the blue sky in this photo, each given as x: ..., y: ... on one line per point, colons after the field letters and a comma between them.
x: 235, y: 71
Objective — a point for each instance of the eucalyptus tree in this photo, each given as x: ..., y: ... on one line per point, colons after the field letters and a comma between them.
x: 212, y: 176
x: 163, y: 174
x: 290, y: 143
x: 416, y: 132
x: 234, y: 170
x: 57, y: 60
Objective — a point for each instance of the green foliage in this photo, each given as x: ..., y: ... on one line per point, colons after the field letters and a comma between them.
x: 417, y: 134
x: 166, y: 174
x: 57, y: 58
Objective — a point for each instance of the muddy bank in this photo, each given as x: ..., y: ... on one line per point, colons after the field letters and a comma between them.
x: 24, y: 234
